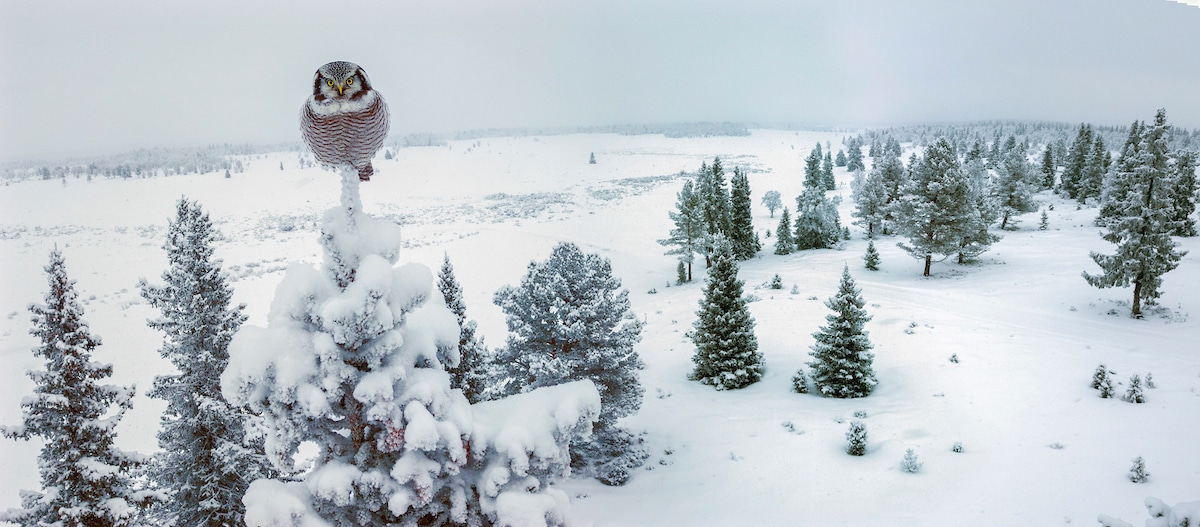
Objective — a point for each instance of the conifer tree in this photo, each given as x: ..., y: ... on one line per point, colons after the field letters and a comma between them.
x: 1049, y: 169
x: 817, y: 224
x: 208, y: 458
x: 854, y: 157
x: 842, y: 357
x: 86, y: 480
x: 569, y: 320
x: 813, y: 177
x: 827, y: 172
x: 714, y: 199
x: 937, y: 210
x: 727, y: 355
x: 871, y: 259
x: 470, y: 374
x: 1184, y: 194
x: 856, y: 439
x: 840, y: 160
x: 1012, y: 189
x: 1115, y: 190
x: 1142, y: 231
x: 783, y: 235
x: 976, y: 238
x: 772, y: 201
x: 1081, y: 149
x: 1092, y: 181
x: 690, y: 234
x: 870, y: 200
x: 741, y: 217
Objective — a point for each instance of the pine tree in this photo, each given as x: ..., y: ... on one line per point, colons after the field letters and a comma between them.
x: 352, y: 362
x: 1184, y: 194
x: 569, y: 320
x: 690, y: 234
x: 1134, y: 394
x: 592, y: 159
x: 741, y: 217
x: 871, y: 259
x: 894, y: 179
x: 827, y: 172
x: 714, y: 199
x: 842, y: 357
x: 1081, y: 149
x: 86, y: 480
x: 1142, y: 231
x: 817, y: 224
x: 870, y: 201
x: 983, y: 209
x: 1044, y: 221
x: 840, y: 160
x: 1012, y: 189
x: 909, y: 463
x: 1099, y: 375
x: 681, y: 274
x: 1137, y: 472
x: 1092, y: 181
x: 1049, y: 170
x: 771, y: 200
x: 813, y: 177
x: 854, y: 157
x: 208, y: 458
x: 727, y: 355
x: 1116, y: 182
x: 783, y: 235
x: 856, y: 439
x: 937, y: 210
x: 470, y: 374
x: 800, y: 382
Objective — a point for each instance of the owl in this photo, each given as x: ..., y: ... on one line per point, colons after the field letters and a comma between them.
x: 345, y: 121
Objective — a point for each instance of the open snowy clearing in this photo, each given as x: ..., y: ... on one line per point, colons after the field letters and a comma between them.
x: 1040, y: 447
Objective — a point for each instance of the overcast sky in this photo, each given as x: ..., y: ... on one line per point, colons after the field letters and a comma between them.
x: 95, y: 77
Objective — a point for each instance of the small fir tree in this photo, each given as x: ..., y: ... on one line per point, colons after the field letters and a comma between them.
x: 910, y: 463
x: 871, y: 259
x: 690, y: 234
x: 1134, y: 393
x: 1012, y: 189
x: 741, y: 218
x: 1137, y: 472
x: 86, y: 480
x: 1107, y: 390
x: 840, y: 160
x: 783, y: 235
x: 1098, y: 376
x: 1044, y: 222
x: 1049, y: 169
x: 592, y: 159
x: 1150, y: 381
x: 856, y: 439
x: 827, y: 172
x: 842, y: 357
x: 1081, y: 149
x: 681, y: 274
x: 1142, y: 230
x: 772, y: 201
x: 727, y: 355
x: 800, y: 382
x: 470, y: 374
x: 208, y: 457
x: 776, y: 282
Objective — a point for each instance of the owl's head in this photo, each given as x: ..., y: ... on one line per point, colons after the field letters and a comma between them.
x: 340, y: 80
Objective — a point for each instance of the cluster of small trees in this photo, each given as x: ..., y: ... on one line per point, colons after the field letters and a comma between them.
x: 705, y: 211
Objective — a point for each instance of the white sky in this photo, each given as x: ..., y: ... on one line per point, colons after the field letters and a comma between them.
x: 86, y: 78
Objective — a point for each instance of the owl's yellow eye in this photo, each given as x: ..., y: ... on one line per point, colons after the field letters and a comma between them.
x: 349, y: 81
x: 330, y: 82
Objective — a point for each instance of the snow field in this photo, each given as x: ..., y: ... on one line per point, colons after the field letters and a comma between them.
x: 1026, y: 327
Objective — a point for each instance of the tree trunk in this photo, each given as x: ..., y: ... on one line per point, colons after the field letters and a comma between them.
x: 689, y: 271
x: 1004, y: 221
x: 1137, y: 298
x: 928, y: 262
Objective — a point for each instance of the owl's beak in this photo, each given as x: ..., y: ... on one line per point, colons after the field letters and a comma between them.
x: 341, y: 88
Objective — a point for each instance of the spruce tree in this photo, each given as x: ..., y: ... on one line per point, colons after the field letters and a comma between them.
x: 1142, y: 231
x: 208, y: 459
x: 1134, y: 394
x: 817, y: 224
x: 741, y: 217
x: 1091, y: 183
x: 1081, y: 149
x: 854, y: 157
x: 870, y: 202
x: 727, y: 355
x: 840, y: 160
x: 714, y: 199
x: 470, y: 374
x: 1184, y: 194
x: 937, y: 210
x: 813, y: 176
x: 842, y: 357
x: 1012, y: 189
x: 856, y: 439
x: 827, y: 172
x: 783, y: 235
x: 86, y: 480
x: 894, y: 179
x: 1116, y: 182
x: 1049, y: 170
x: 569, y: 320
x: 871, y: 259
x: 690, y: 234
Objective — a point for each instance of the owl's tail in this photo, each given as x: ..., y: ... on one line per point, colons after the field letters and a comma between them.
x: 364, y: 173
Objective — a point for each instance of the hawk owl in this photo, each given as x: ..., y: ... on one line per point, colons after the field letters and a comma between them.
x: 345, y: 121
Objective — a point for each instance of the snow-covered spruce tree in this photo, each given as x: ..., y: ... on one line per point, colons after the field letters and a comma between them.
x: 714, y: 199
x: 1099, y: 375
x: 691, y: 232
x: 813, y: 178
x: 727, y: 355
x: 1142, y: 230
x: 352, y: 362
x: 1049, y: 169
x: 1044, y: 221
x: 840, y: 160
x: 773, y: 201
x: 894, y: 178
x: 910, y: 463
x: 1081, y: 148
x: 783, y: 235
x: 1092, y: 180
x: 1137, y: 472
x: 827, y: 172
x: 871, y: 259
x: 569, y: 320
x: 208, y: 458
x: 856, y: 439
x: 976, y: 236
x: 741, y: 217
x: 1012, y: 189
x: 870, y: 202
x: 854, y: 157
x: 1134, y: 394
x: 86, y: 480
x: 817, y: 224
x: 937, y: 209
x: 1185, y: 194
x: 842, y: 357
x: 800, y: 382
x: 1116, y: 182
x: 470, y: 375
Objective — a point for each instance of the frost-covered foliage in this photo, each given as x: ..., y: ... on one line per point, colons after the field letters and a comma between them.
x: 1099, y: 375
x: 470, y: 374
x: 910, y: 463
x: 1081, y: 148
x: 1144, y: 222
x: 1185, y: 514
x: 871, y: 198
x: 871, y: 258
x: 727, y: 355
x: 1137, y: 472
x: 208, y: 458
x: 1134, y: 394
x: 937, y: 210
x: 1184, y: 193
x: 854, y: 157
x: 856, y: 439
x: 783, y: 235
x: 814, y: 178
x: 772, y: 200
x: 689, y: 236
x: 842, y: 357
x: 569, y: 320
x: 827, y: 172
x: 817, y: 224
x: 86, y: 480
x: 352, y: 361
x: 800, y: 382
x: 1013, y: 187
x: 1107, y: 390
x: 776, y: 282
x: 714, y: 202
x: 741, y: 218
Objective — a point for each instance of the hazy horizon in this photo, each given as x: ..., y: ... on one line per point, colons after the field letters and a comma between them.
x: 91, y: 79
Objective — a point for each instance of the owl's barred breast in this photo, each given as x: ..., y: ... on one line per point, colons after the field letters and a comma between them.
x: 345, y: 133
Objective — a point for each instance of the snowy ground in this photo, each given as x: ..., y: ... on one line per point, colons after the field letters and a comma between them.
x: 1040, y: 448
